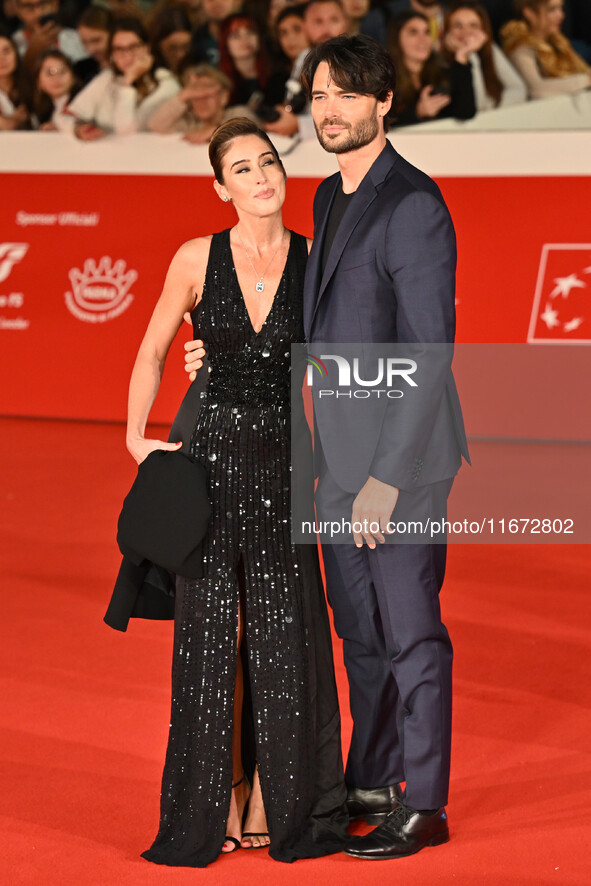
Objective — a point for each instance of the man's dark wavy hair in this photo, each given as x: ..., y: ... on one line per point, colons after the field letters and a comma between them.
x: 357, y: 64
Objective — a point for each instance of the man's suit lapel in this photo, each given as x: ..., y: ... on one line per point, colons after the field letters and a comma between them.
x: 365, y: 194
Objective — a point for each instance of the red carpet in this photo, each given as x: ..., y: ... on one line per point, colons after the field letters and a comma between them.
x: 85, y: 709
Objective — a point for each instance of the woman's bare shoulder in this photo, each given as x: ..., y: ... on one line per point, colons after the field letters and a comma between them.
x: 190, y: 260
x: 194, y: 250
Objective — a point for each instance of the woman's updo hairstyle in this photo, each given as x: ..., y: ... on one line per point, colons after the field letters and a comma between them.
x: 225, y: 134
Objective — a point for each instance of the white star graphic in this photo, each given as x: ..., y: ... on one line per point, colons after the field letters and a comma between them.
x: 573, y: 324
x: 565, y: 284
x: 550, y: 317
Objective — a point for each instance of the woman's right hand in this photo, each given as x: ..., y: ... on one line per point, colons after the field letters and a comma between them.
x: 44, y: 37
x: 140, y: 447
x: 88, y: 132
x: 17, y: 119
x: 142, y: 64
x: 430, y: 105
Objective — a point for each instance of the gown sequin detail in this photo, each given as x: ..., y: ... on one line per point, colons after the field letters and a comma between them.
x: 242, y: 435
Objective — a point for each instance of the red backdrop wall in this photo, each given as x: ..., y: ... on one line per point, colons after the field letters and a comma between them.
x: 69, y: 337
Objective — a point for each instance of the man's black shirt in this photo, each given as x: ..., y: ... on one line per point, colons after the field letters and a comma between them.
x: 335, y: 216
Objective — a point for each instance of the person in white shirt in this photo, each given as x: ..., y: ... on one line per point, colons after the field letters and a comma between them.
x: 55, y: 85
x: 123, y: 97
x: 496, y: 82
x: 42, y: 30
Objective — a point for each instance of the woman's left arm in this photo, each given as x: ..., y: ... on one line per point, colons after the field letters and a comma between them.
x: 463, y: 103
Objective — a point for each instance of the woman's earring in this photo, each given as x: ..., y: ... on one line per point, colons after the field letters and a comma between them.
x: 226, y: 199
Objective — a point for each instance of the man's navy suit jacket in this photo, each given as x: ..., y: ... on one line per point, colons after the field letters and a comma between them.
x: 389, y: 278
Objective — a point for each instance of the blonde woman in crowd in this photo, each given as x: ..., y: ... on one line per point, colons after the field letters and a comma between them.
x: 199, y: 107
x: 541, y: 53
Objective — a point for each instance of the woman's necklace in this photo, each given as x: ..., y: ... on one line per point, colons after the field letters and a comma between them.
x: 260, y: 284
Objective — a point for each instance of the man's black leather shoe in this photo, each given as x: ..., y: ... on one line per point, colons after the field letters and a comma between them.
x: 373, y: 804
x: 403, y: 832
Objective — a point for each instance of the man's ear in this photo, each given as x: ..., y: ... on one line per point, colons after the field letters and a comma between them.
x: 384, y: 107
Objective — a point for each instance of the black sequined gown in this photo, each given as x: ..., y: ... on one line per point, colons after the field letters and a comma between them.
x: 242, y: 434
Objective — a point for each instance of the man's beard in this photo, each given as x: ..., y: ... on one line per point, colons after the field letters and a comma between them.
x: 357, y: 137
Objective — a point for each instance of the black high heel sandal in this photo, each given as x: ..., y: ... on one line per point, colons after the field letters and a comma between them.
x: 227, y: 839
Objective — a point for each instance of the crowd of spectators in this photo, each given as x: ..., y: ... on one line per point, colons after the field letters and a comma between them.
x: 123, y: 66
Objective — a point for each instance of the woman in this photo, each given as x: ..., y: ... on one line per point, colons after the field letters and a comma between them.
x: 55, y: 86
x: 290, y: 33
x: 428, y: 87
x: 291, y: 37
x: 94, y: 29
x: 496, y: 82
x: 541, y: 53
x: 244, y: 59
x: 260, y: 594
x: 275, y: 7
x: 170, y: 33
x: 13, y: 111
x: 122, y: 98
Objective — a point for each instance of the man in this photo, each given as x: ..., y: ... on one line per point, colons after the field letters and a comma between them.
x: 41, y: 31
x: 383, y: 261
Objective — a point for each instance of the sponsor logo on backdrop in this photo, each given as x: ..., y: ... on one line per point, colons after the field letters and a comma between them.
x: 561, y: 310
x: 62, y: 219
x: 10, y: 255
x: 100, y: 291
